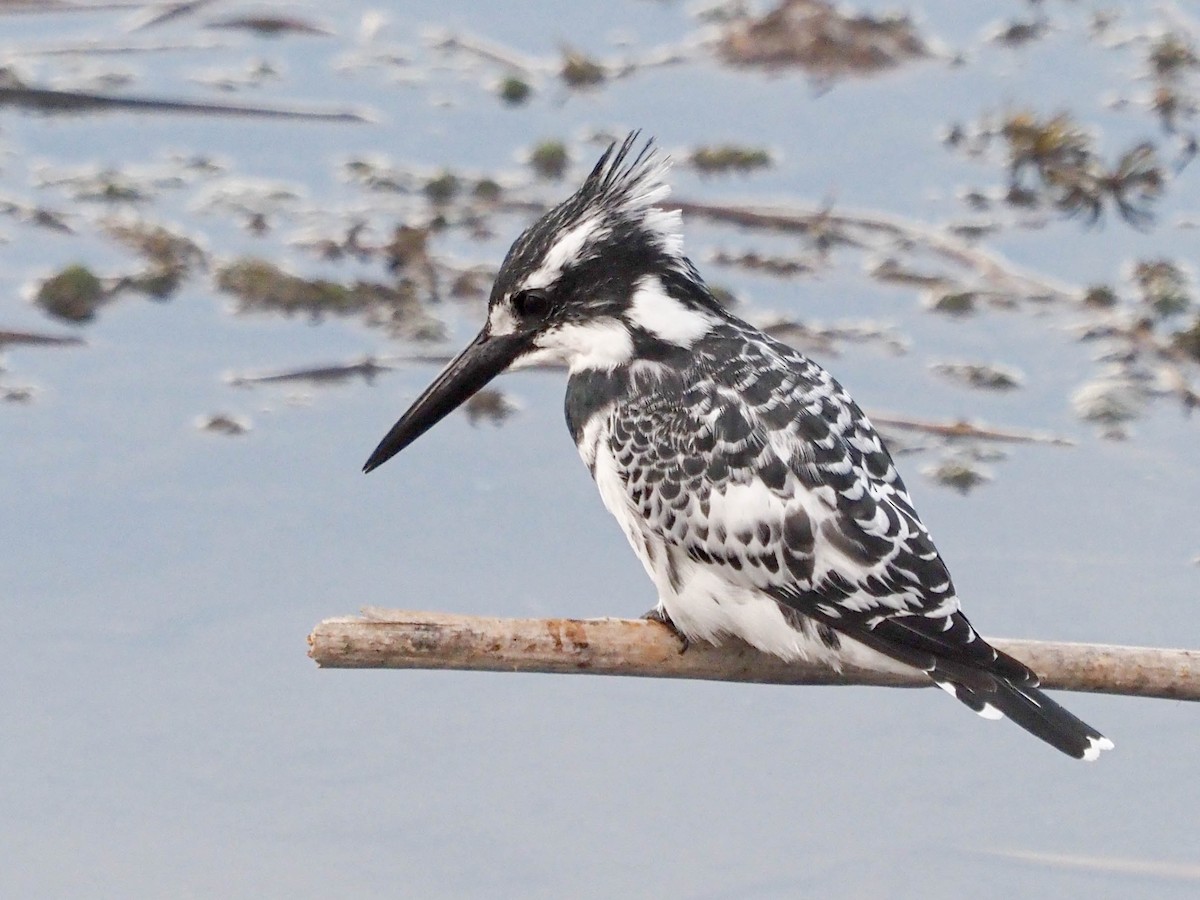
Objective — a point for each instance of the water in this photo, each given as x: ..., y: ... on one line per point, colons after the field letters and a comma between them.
x: 165, y: 733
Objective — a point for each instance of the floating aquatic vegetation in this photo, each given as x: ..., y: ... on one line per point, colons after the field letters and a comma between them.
x: 580, y: 71
x: 782, y: 267
x: 1053, y: 162
x: 347, y: 242
x: 408, y: 249
x: 472, y: 284
x: 980, y: 375
x: 973, y: 232
x: 1111, y: 401
x: 170, y: 257
x: 1187, y: 340
x: 549, y: 160
x: 1173, y: 62
x: 105, y: 185
x: 959, y: 473
x: 1163, y: 287
x: 73, y: 295
x: 256, y: 202
x: 487, y: 190
x: 825, y: 40
x: 514, y: 90
x: 94, y: 77
x: 378, y: 175
x: 573, y: 68
x: 1100, y: 296
x: 262, y: 287
x: 1151, y: 338
x: 442, y: 188
x: 490, y: 405
x: 1019, y: 32
x: 827, y: 339
x: 1170, y: 63
x: 892, y: 271
x: 224, y: 424
x: 721, y: 160
x: 38, y: 216
x: 17, y: 393
x: 252, y: 75
x: 953, y: 303
x: 1172, y: 55
x: 408, y: 252
x: 1061, y: 156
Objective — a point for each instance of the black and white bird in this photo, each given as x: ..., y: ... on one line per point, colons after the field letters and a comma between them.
x: 756, y: 493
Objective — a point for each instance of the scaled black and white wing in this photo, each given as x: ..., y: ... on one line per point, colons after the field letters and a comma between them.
x: 749, y: 461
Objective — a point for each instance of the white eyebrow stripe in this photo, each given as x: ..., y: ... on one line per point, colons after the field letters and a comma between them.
x: 567, y: 250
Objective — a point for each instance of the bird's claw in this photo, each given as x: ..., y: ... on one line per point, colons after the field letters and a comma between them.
x: 660, y: 615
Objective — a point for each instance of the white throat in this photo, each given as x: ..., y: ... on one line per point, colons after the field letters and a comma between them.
x: 600, y: 344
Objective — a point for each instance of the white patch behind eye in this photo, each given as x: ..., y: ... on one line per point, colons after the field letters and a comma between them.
x: 565, y: 252
x: 600, y: 344
x: 665, y: 317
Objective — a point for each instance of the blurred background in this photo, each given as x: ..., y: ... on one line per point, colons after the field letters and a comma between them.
x: 236, y: 239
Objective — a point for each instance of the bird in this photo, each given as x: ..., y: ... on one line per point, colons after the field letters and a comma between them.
x: 756, y: 493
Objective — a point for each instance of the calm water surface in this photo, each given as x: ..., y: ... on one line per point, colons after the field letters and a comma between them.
x: 164, y: 733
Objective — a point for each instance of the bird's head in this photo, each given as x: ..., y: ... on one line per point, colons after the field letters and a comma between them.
x: 596, y: 283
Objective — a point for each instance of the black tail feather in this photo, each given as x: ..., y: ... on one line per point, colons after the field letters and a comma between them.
x: 991, y: 683
x: 1029, y: 708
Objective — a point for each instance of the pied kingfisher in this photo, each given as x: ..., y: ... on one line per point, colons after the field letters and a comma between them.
x: 756, y: 493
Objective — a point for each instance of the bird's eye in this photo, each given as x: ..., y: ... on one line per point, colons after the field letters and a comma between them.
x: 531, y: 304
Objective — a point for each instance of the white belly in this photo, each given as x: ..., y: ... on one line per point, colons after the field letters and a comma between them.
x: 706, y: 606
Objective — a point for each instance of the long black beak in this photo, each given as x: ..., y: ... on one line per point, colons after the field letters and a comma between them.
x: 483, y: 359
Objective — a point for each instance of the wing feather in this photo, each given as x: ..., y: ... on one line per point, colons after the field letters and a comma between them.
x: 760, y: 464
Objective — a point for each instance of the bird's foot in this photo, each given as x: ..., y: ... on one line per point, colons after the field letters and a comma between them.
x: 658, y: 614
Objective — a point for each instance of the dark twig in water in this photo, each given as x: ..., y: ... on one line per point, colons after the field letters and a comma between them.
x: 155, y: 16
x: 366, y: 369
x: 92, y: 47
x: 490, y: 51
x: 46, y: 100
x: 32, y: 339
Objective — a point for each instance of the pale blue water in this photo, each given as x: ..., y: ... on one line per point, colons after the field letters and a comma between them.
x: 164, y: 733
